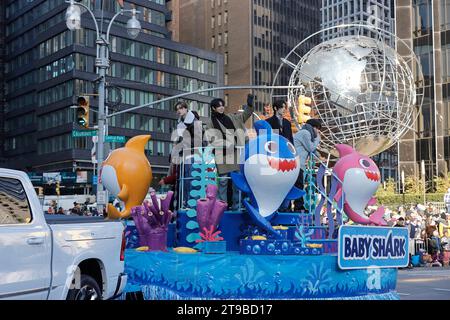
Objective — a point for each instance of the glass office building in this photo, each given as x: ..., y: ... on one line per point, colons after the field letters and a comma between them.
x: 425, y: 26
x: 47, y: 66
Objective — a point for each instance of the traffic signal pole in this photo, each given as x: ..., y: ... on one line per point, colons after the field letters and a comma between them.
x: 102, y: 62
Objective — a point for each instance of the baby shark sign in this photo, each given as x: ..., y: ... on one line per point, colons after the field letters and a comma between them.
x: 363, y: 247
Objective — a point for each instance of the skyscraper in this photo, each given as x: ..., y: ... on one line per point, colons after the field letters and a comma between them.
x: 252, y: 35
x: 378, y: 13
x: 424, y: 25
x: 49, y: 65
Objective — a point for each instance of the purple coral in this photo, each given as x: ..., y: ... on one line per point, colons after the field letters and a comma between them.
x: 209, y: 212
x: 152, y: 222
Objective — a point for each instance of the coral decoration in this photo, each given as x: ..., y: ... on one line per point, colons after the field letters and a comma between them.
x: 152, y: 222
x: 209, y: 235
x: 209, y: 213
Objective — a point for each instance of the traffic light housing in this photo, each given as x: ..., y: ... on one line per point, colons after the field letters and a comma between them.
x: 304, y: 109
x: 82, y: 116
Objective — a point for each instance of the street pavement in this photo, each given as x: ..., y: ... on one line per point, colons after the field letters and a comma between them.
x: 431, y: 283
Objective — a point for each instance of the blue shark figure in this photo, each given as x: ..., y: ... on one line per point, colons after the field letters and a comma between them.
x: 269, y: 169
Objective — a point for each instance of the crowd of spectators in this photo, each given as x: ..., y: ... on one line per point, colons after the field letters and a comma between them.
x: 429, y: 230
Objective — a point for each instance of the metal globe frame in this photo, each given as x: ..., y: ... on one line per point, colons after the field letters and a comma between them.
x: 371, y: 127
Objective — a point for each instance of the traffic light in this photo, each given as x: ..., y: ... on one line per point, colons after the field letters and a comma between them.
x: 83, y: 111
x: 57, y: 188
x: 304, y: 109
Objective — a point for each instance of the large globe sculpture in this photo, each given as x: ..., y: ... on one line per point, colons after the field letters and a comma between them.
x: 362, y: 90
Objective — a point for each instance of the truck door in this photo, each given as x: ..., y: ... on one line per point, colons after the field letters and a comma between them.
x: 25, y: 243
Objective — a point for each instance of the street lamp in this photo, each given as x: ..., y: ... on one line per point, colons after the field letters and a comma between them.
x: 73, y: 22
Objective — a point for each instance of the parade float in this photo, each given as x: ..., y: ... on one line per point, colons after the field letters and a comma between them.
x: 363, y: 92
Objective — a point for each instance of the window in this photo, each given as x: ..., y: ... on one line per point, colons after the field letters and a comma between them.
x: 213, y: 21
x: 225, y: 58
x: 219, y: 40
x: 213, y: 42
x: 225, y: 38
x: 219, y: 19
x: 226, y: 79
x: 14, y: 208
x: 160, y: 148
x: 225, y: 17
x: 212, y: 3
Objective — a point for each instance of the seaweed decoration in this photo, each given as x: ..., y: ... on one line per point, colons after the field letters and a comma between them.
x: 203, y: 174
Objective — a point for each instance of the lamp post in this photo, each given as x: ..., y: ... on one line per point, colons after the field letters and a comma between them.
x: 73, y: 22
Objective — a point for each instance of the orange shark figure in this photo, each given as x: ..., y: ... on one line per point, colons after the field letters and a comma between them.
x: 127, y: 174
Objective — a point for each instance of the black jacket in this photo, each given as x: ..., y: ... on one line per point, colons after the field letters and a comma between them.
x: 285, y: 130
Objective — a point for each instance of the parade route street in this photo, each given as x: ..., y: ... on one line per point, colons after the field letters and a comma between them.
x: 424, y: 284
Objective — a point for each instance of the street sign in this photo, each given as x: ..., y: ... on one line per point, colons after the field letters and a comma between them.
x: 94, y: 179
x: 101, y: 197
x: 120, y: 139
x: 83, y: 133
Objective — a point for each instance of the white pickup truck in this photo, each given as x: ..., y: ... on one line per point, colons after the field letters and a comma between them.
x: 55, y: 257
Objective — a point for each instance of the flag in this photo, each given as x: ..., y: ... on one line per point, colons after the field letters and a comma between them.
x: 120, y: 2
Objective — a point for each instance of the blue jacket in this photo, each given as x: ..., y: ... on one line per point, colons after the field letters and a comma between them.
x: 304, y: 145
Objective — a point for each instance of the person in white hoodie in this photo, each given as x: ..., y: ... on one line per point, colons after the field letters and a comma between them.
x: 187, y: 137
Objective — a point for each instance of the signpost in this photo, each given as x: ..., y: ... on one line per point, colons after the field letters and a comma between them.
x: 101, y: 197
x: 83, y: 133
x: 120, y: 139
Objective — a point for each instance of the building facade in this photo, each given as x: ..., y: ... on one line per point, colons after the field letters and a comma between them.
x: 252, y: 35
x: 378, y: 13
x: 48, y: 66
x: 424, y: 25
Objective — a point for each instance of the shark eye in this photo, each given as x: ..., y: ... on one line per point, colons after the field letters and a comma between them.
x: 364, y: 163
x: 271, y: 147
x: 291, y: 148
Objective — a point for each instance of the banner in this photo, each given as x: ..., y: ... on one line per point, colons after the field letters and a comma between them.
x: 51, y: 177
x: 364, y: 247
x: 82, y: 177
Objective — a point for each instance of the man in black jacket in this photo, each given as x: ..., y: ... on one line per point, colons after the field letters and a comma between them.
x: 278, y: 122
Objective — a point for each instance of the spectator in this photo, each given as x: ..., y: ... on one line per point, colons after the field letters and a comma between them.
x: 400, y: 222
x: 60, y: 211
x: 50, y: 210
x: 447, y: 200
x: 226, y: 133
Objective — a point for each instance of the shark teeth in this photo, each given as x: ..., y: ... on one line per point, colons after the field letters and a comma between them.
x: 282, y: 165
x: 372, y: 175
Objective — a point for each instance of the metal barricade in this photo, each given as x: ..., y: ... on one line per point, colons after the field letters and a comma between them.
x: 419, y: 245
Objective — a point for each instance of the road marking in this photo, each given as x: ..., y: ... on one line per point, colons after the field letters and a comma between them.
x: 439, y: 289
x: 403, y: 294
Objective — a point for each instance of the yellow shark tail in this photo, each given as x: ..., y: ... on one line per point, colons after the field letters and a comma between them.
x: 138, y: 143
x: 114, y: 214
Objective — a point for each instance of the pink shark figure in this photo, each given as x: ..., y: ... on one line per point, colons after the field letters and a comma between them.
x: 360, y: 178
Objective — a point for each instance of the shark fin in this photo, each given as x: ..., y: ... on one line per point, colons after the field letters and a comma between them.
x: 344, y: 149
x: 123, y: 194
x: 295, y: 193
x: 377, y: 217
x: 138, y: 142
x: 372, y: 201
x: 240, y: 182
x: 262, y: 125
x: 260, y: 221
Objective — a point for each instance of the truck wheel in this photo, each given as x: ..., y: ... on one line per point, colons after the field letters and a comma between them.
x: 89, y: 290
